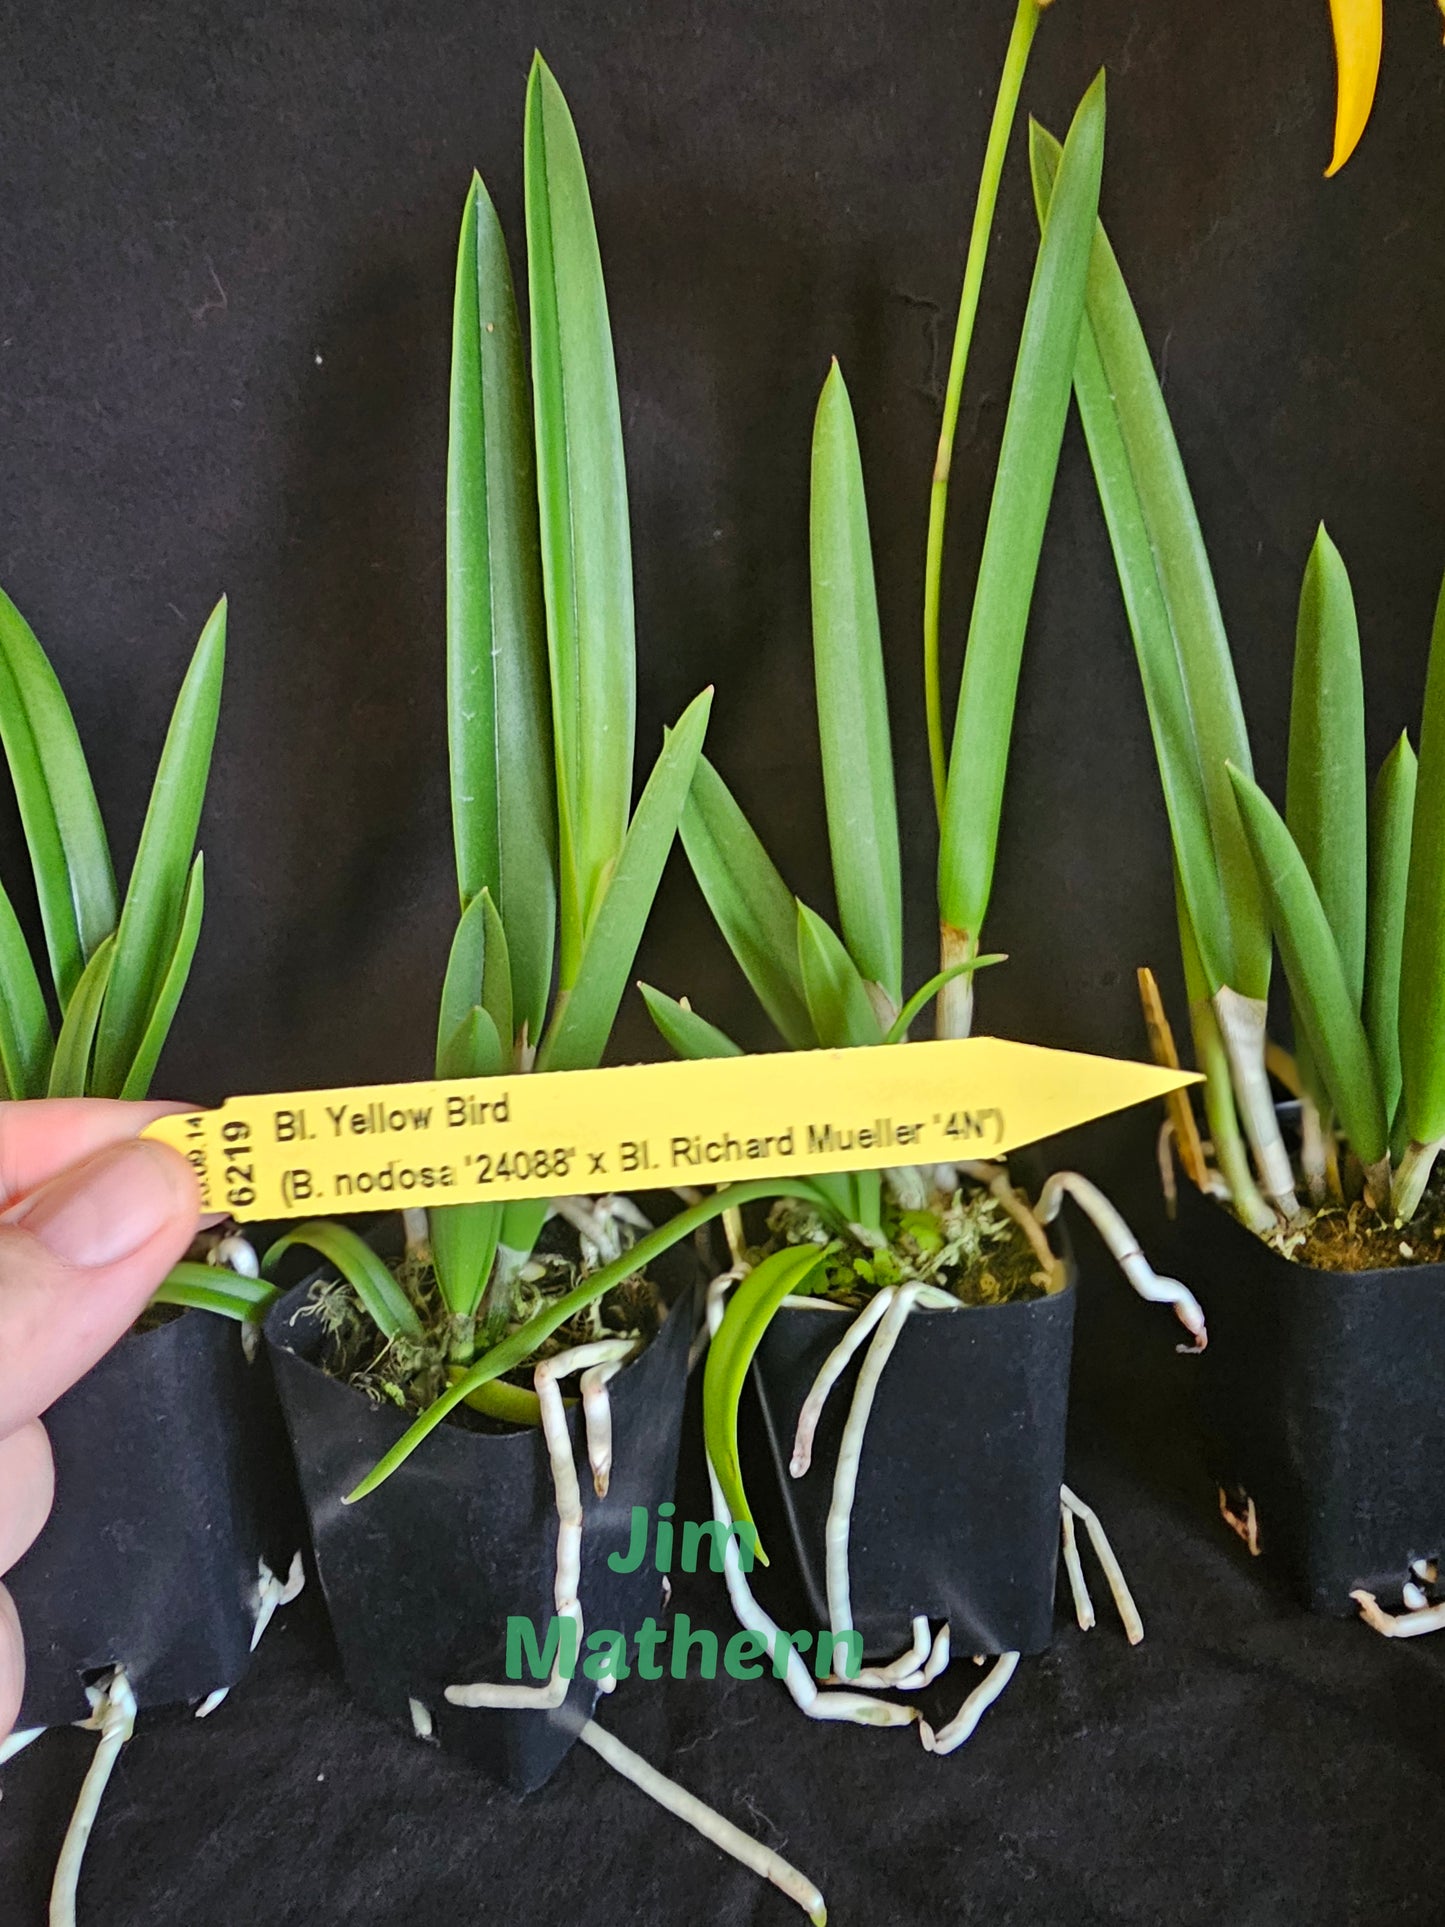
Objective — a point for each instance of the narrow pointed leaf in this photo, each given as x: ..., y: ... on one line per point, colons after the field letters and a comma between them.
x: 1033, y: 432
x: 755, y: 910
x: 498, y: 724
x: 853, y: 700
x: 497, y: 975
x: 1326, y: 791
x: 582, y: 490
x: 158, y: 1025
x: 838, y: 1001
x: 1321, y: 993
x: 462, y: 985
x: 689, y: 1035
x: 1392, y: 809
x: 749, y: 1312
x: 898, y: 1030
x: 463, y: 1248
x: 473, y: 1049
x: 58, y: 811
x: 381, y: 1297
x: 155, y: 895
x: 1422, y: 958
x: 1150, y: 511
x: 582, y: 1023
x: 26, y: 1039
x: 215, y: 1289
x: 70, y: 1067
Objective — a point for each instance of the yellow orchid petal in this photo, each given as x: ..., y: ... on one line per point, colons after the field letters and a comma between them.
x: 1358, y: 27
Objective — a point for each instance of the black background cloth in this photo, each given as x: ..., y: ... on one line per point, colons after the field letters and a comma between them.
x: 228, y: 239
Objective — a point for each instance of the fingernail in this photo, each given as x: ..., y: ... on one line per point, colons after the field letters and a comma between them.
x: 111, y: 1205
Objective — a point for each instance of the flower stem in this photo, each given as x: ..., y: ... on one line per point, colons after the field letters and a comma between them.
x: 1010, y: 82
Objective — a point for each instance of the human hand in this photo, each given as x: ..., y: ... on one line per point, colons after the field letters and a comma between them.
x: 91, y: 1220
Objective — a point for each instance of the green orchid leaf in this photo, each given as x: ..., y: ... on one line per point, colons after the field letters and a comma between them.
x: 474, y: 1049
x: 158, y: 1025
x: 161, y: 878
x: 214, y: 1288
x: 380, y: 1296
x: 838, y: 1001
x: 1033, y: 433
x: 1326, y: 791
x: 464, y: 1248
x: 1422, y: 956
x: 27, y: 1042
x: 750, y: 1310
x: 582, y: 1021
x: 70, y: 1067
x: 497, y: 976
x: 1195, y: 712
x: 582, y: 489
x: 688, y: 1034
x: 853, y: 700
x: 1322, y: 994
x: 462, y: 985
x: 499, y: 728
x: 755, y: 910
x: 898, y: 1029
x: 1392, y: 809
x: 520, y: 1345
x: 58, y: 811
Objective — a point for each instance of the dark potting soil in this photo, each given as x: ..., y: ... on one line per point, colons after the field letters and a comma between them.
x: 1353, y: 1237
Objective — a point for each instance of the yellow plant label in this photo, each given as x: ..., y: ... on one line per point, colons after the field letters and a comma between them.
x: 645, y: 1126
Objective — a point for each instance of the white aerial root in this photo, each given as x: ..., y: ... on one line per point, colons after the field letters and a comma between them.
x: 834, y: 1366
x: 1244, y: 1525
x: 235, y: 1253
x: 1125, y: 1249
x: 113, y: 1711
x: 711, y: 1824
x: 961, y: 1727
x: 825, y: 1705
x: 1406, y: 1625
x: 850, y: 1448
x: 1074, y: 1567
x: 1104, y: 1553
x: 546, y: 1379
x: 271, y: 1593
x: 19, y: 1740
x: 597, y: 1419
x: 599, y: 1224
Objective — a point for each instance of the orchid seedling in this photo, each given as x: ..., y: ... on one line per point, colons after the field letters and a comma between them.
x: 556, y: 873
x: 117, y: 966
x: 556, y: 877
x: 1348, y: 882
x: 929, y: 1238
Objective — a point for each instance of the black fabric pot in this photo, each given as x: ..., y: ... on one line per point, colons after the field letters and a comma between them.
x: 956, y: 1513
x: 1324, y: 1402
x: 172, y: 1482
x: 421, y: 1577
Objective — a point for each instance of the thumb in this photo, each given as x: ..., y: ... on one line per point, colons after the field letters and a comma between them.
x: 79, y: 1257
